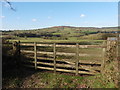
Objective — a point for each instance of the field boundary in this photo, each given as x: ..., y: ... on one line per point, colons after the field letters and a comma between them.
x: 62, y: 65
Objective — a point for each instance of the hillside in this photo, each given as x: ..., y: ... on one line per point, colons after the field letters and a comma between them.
x: 59, y: 32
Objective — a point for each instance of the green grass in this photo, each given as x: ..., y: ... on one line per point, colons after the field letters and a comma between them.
x: 100, y: 81
x: 60, y: 80
x: 51, y: 80
x: 45, y: 40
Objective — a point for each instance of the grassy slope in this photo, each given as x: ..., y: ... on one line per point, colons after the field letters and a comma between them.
x: 23, y: 78
x: 50, y: 80
x: 26, y: 78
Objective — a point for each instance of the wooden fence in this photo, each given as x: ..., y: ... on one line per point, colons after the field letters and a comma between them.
x: 55, y: 64
x: 76, y: 66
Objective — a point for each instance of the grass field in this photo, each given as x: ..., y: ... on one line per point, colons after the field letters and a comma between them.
x: 28, y: 78
x: 45, y: 40
x: 20, y: 77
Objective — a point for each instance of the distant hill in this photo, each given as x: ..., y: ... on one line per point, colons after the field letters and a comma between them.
x: 85, y: 28
x: 60, y: 32
x: 71, y: 27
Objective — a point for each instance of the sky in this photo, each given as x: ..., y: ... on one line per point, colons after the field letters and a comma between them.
x: 34, y: 15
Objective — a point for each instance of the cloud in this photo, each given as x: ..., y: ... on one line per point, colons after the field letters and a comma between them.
x: 34, y: 20
x: 85, y: 22
x: 18, y: 18
x: 2, y: 16
x: 49, y: 17
x: 82, y: 15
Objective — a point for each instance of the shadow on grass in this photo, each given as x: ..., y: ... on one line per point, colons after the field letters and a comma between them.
x: 13, y: 71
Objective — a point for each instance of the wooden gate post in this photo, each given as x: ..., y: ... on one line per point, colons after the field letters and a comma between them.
x: 54, y: 53
x: 16, y: 52
x: 35, y: 54
x: 104, y: 58
x: 14, y: 48
x: 77, y: 58
x: 19, y: 53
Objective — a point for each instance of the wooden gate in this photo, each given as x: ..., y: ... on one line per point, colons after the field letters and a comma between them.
x: 64, y: 57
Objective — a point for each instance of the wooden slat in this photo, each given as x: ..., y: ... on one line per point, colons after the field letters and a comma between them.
x: 69, y: 62
x: 50, y: 45
x: 43, y: 52
x: 52, y: 64
x: 27, y: 51
x: 84, y: 72
x: 92, y: 69
x: 51, y: 59
x: 57, y: 45
x: 57, y: 53
x: 65, y: 46
x: 60, y: 53
x: 27, y: 44
x: 57, y: 65
x: 62, y: 41
x: 91, y: 46
x: 64, y: 70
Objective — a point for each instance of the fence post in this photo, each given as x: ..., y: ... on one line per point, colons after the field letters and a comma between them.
x: 77, y: 58
x: 19, y: 47
x: 104, y: 57
x: 54, y: 53
x: 16, y: 52
x: 14, y: 48
x: 103, y: 61
x: 19, y: 53
x: 35, y: 54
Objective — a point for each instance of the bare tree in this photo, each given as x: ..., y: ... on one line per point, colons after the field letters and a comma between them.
x: 10, y: 5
